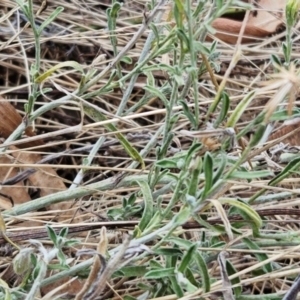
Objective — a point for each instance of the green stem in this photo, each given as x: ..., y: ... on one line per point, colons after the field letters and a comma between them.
x: 193, y: 58
x: 134, y: 77
x: 130, y: 44
x: 288, y: 46
x: 37, y: 64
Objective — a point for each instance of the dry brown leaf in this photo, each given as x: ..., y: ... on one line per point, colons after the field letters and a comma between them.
x: 19, y: 192
x: 10, y: 119
x: 263, y: 21
x: 228, y: 31
x: 45, y: 179
x: 269, y: 16
x: 287, y: 127
x: 69, y: 287
x: 266, y: 20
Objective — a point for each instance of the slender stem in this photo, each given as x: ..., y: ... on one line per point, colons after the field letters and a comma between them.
x: 142, y: 57
x: 37, y: 64
x: 288, y: 46
x: 193, y: 58
x: 79, y: 177
x: 130, y: 44
x: 104, y: 185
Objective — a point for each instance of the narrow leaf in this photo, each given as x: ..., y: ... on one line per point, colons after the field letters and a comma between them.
x: 157, y: 93
x: 52, y: 235
x: 131, y: 271
x: 52, y: 16
x: 291, y: 166
x: 181, y: 242
x: 251, y: 175
x: 260, y: 256
x: 176, y: 286
x: 167, y: 163
x: 99, y: 117
x: 184, y: 283
x: 127, y: 60
x: 168, y: 251
x: 148, y: 205
x: 203, y: 271
x: 183, y: 37
x: 224, y: 110
x: 222, y: 164
x: 187, y: 258
x: 73, y: 64
x: 257, y: 136
x: 194, y: 181
x: 64, y: 232
x: 160, y: 273
x: 244, y: 207
x: 208, y: 173
x: 235, y: 281
x: 239, y: 110
x: 190, y: 277
x: 182, y: 216
x: 188, y: 113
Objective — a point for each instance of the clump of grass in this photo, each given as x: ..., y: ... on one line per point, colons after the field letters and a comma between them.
x: 173, y: 159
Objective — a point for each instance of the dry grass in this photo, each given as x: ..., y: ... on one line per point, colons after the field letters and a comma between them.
x: 80, y: 34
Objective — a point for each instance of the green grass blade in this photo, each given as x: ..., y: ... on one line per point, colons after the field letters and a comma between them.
x: 239, y: 110
x: 203, y: 271
x: 260, y: 256
x: 148, y: 205
x: 187, y: 258
x: 130, y: 150
x: 244, y: 207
